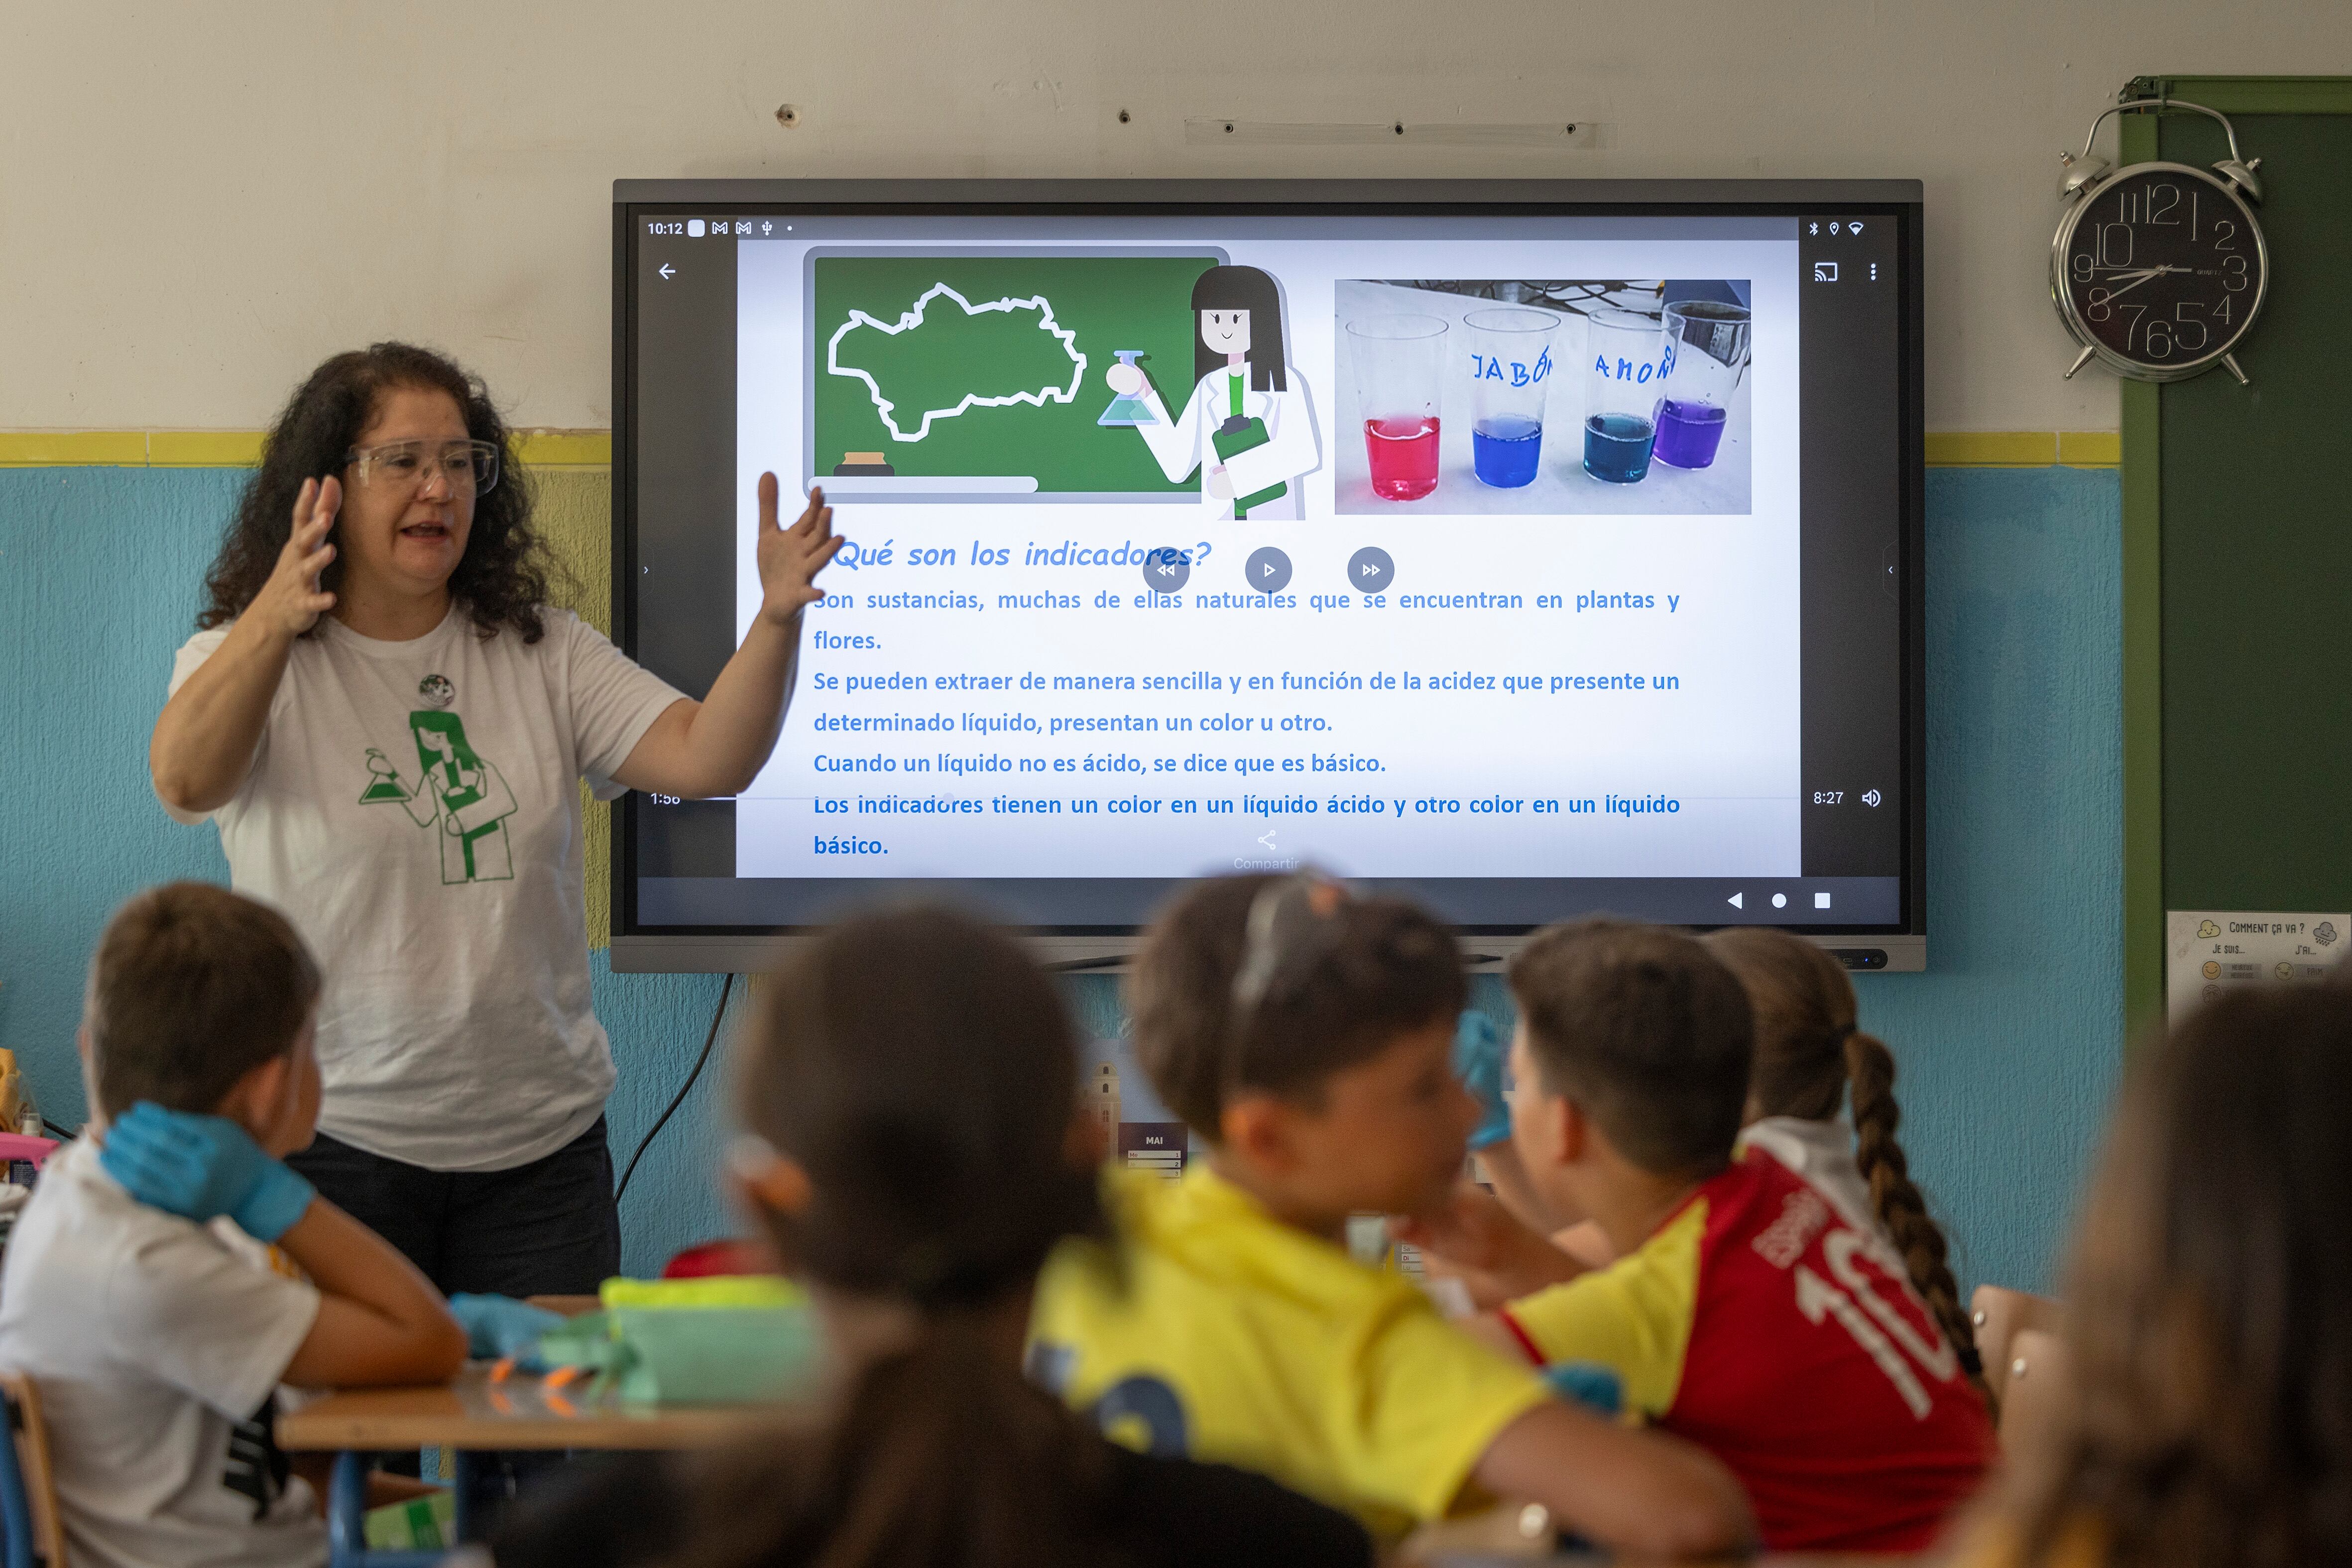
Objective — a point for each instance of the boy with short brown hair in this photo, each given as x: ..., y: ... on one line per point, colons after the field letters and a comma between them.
x: 157, y: 1339
x: 1305, y: 1036
x: 1744, y: 1312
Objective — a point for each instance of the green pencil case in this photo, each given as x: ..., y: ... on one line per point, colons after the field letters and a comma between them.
x: 733, y: 1341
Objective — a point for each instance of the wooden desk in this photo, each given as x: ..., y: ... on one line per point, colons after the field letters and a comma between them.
x: 473, y: 1413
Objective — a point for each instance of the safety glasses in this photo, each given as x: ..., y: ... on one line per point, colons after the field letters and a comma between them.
x: 471, y: 467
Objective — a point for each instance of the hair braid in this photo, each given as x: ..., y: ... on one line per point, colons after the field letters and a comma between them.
x: 1870, y: 1073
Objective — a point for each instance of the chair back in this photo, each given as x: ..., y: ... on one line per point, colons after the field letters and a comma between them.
x: 2039, y: 1387
x: 32, y: 1531
x: 1998, y: 1315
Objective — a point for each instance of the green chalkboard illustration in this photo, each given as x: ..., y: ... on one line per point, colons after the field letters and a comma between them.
x: 979, y: 368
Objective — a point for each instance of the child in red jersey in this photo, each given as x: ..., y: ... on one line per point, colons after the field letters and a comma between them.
x: 1746, y: 1312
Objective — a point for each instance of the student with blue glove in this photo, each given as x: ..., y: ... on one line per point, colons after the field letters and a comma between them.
x: 171, y: 1271
x: 1492, y: 1241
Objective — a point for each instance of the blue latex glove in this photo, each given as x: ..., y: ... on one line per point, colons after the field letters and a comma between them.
x: 498, y: 1326
x: 1478, y: 1064
x: 1588, y: 1383
x: 200, y: 1167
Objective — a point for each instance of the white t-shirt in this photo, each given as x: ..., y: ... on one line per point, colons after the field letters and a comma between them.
x: 414, y: 810
x: 156, y: 1346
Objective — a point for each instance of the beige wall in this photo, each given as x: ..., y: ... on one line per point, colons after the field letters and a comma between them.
x: 198, y: 200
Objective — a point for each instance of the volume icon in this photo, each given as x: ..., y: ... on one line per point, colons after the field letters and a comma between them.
x: 1872, y: 796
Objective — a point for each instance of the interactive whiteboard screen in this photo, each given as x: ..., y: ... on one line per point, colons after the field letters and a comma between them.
x: 1537, y: 550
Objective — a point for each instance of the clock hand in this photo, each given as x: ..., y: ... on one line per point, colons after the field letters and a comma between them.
x: 2151, y: 273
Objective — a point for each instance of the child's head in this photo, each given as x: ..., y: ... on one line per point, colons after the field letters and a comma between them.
x: 1809, y: 1055
x: 203, y: 1000
x: 1639, y: 1032
x: 1307, y: 1034
x: 2210, y: 1301
x: 916, y: 1074
x: 915, y: 1081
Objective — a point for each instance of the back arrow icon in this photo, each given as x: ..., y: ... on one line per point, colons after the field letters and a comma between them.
x: 666, y: 269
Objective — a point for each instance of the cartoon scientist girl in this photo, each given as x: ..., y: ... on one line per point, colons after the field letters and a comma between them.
x: 474, y: 798
x: 1247, y: 427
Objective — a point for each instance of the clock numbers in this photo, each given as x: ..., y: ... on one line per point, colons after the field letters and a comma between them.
x: 2149, y: 278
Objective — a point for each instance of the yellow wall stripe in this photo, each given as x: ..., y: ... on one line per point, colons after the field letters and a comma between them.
x: 73, y: 448
x: 199, y: 448
x: 593, y: 448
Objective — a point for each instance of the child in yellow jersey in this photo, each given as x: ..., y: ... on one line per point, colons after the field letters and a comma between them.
x: 1305, y: 1036
x: 1746, y: 1312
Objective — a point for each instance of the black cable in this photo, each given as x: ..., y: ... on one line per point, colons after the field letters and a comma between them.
x: 684, y: 1089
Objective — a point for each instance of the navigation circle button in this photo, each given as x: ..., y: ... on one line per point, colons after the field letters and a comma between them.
x: 1167, y: 568
x: 1268, y: 570
x: 1370, y: 571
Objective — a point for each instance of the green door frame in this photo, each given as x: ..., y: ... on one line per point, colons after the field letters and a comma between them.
x: 2143, y: 551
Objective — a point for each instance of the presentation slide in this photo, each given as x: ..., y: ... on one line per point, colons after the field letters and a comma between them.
x: 1449, y: 551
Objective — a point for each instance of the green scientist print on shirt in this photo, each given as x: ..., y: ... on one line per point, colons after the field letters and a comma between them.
x: 463, y: 793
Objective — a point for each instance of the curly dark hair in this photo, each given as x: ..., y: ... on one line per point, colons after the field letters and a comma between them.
x: 502, y: 578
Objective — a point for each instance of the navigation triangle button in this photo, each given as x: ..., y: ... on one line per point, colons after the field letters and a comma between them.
x: 1738, y: 901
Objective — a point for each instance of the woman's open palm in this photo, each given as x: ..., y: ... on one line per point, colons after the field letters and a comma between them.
x: 791, y: 558
x: 292, y: 601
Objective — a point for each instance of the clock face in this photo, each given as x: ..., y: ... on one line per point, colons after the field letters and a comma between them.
x: 2160, y: 269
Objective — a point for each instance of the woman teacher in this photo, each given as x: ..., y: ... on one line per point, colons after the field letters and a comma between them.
x: 389, y: 724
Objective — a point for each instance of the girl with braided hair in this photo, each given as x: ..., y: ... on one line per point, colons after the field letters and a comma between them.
x: 1811, y: 1059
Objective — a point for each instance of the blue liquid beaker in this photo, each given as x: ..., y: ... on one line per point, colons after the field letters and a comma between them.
x: 1510, y: 376
x: 1627, y: 357
x: 1124, y: 409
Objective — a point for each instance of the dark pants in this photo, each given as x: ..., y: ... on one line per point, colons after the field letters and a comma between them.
x: 546, y: 1228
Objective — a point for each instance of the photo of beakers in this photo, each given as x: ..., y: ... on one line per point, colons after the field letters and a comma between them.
x: 1511, y: 361
x: 1625, y: 358
x: 1475, y: 402
x: 1707, y: 352
x: 1124, y: 409
x: 1400, y: 369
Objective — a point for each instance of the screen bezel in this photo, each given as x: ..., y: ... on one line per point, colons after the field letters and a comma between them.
x: 718, y: 948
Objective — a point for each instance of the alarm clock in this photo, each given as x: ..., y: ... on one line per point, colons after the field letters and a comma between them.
x: 2158, y: 269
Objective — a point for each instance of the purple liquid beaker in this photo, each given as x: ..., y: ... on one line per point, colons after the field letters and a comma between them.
x: 1708, y: 342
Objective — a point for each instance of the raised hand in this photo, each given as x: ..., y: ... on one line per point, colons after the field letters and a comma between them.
x: 291, y: 601
x: 791, y: 558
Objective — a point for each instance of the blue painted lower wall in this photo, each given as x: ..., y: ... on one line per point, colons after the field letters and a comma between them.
x: 2009, y: 1049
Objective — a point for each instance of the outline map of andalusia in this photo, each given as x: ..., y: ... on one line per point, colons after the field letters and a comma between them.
x: 939, y: 358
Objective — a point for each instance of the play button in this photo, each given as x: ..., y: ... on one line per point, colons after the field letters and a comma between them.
x: 1166, y: 569
x: 1268, y: 570
x: 1370, y: 571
